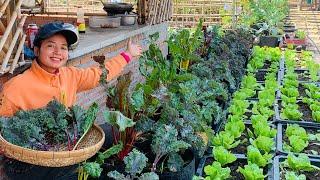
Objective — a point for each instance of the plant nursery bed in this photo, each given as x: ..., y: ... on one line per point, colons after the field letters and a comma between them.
x: 303, y: 75
x: 249, y: 113
x: 302, y: 89
x: 244, y: 138
x: 235, y: 175
x: 260, y: 75
x: 266, y: 66
x: 304, y: 109
x: 278, y: 172
x: 314, y: 146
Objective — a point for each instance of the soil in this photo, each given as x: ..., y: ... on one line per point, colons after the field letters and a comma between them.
x: 249, y: 112
x: 242, y: 147
x: 260, y: 75
x: 309, y: 175
x: 111, y: 165
x: 306, y: 111
x: 311, y: 147
x: 266, y: 65
x: 235, y: 175
x: 302, y: 75
x: 302, y: 92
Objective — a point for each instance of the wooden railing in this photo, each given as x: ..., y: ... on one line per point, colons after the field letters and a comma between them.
x: 186, y: 13
x: 12, y: 37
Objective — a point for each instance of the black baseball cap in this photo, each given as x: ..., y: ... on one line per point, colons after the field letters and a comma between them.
x: 47, y: 30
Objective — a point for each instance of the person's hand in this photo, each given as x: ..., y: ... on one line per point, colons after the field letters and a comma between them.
x: 134, y: 50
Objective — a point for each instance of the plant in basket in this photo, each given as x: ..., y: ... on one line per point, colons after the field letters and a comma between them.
x: 62, y: 129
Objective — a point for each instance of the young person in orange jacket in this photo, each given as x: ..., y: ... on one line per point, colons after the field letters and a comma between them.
x: 47, y: 79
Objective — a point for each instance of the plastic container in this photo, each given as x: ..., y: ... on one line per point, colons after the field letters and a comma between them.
x: 280, y: 134
x: 32, y: 30
x: 240, y: 157
x: 300, y: 122
x: 104, y: 22
x: 278, y: 159
x: 80, y: 20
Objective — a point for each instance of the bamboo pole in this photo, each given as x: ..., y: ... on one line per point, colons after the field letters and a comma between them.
x: 4, y: 7
x: 18, y: 53
x: 2, y: 28
x: 156, y: 12
x: 13, y: 43
x: 9, y: 26
x: 151, y: 7
x: 19, y: 64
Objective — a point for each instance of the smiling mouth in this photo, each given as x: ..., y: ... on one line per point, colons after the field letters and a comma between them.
x: 55, y: 60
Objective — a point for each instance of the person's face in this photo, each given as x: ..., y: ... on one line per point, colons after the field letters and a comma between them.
x: 53, y: 53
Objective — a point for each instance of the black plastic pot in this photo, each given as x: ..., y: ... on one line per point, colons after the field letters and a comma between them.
x: 185, y: 174
x: 276, y: 166
x: 281, y: 129
x: 240, y: 157
x: 278, y: 119
x: 269, y: 41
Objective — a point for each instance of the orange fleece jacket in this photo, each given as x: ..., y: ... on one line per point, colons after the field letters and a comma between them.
x: 36, y: 87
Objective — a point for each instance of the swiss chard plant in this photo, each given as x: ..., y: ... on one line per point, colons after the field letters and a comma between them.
x: 183, y: 45
x: 121, y: 123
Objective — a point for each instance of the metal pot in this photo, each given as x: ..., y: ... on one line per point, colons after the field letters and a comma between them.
x: 128, y: 19
x: 117, y: 8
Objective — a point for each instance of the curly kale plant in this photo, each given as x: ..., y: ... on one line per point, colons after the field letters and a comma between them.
x: 165, y: 142
x: 135, y: 163
x: 48, y: 128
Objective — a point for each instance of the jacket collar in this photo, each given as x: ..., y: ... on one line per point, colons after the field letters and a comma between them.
x: 41, y: 73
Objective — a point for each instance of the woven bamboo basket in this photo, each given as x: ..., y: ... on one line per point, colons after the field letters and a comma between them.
x: 89, y: 146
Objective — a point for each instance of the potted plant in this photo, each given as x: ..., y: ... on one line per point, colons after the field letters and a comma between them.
x: 268, y: 15
x: 297, y: 39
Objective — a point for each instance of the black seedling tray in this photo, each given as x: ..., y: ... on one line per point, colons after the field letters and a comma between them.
x: 276, y: 166
x: 281, y: 132
x: 240, y: 157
